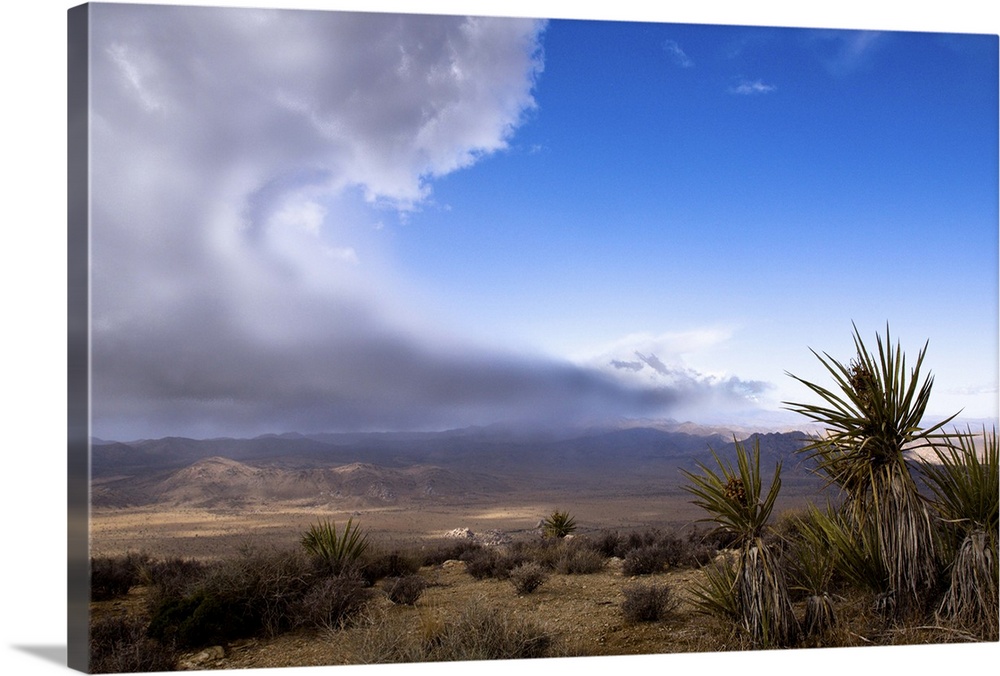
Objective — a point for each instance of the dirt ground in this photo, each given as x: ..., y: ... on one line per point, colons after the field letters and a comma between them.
x: 204, y: 533
x: 581, y: 612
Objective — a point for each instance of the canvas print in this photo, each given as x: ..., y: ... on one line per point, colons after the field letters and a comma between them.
x: 407, y: 338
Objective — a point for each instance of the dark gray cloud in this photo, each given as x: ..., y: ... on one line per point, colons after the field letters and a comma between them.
x: 653, y: 362
x: 241, y: 161
x: 214, y: 380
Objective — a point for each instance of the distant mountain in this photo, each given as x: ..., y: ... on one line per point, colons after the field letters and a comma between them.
x: 223, y: 482
x: 401, y: 467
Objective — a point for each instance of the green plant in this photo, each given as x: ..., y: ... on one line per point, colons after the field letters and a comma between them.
x: 813, y: 558
x: 715, y: 593
x: 872, y: 416
x: 965, y: 481
x: 335, y: 552
x: 648, y: 602
x: 733, y: 496
x: 527, y: 577
x: 558, y: 524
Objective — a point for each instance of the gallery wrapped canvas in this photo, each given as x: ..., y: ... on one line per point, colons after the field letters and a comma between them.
x: 407, y: 338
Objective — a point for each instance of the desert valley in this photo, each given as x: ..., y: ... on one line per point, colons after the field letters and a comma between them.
x: 185, y: 497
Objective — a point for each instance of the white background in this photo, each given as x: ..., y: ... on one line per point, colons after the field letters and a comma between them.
x: 33, y: 380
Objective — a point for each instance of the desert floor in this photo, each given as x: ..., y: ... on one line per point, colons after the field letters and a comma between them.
x: 203, y: 533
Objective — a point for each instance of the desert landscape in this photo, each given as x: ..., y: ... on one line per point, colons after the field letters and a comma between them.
x: 424, y: 338
x: 469, y: 546
x: 271, y: 488
x: 181, y: 499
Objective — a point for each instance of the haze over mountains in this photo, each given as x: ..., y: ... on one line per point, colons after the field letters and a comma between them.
x: 393, y: 468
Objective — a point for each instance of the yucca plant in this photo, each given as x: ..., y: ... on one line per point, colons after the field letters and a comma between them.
x: 872, y: 416
x: 336, y: 553
x: 733, y: 498
x: 965, y: 481
x: 715, y: 594
x: 558, y: 524
x: 814, y: 558
x: 854, y: 551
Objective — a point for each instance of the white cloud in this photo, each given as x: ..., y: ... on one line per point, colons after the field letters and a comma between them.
x: 844, y: 52
x: 132, y: 74
x: 235, y: 156
x: 751, y: 87
x: 677, y: 54
x: 663, y: 361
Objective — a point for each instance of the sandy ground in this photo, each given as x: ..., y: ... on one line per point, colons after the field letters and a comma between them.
x: 204, y: 533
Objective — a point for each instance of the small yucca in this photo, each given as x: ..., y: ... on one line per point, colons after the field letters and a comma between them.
x: 966, y: 485
x: 558, y: 524
x: 716, y: 593
x: 815, y: 556
x: 335, y: 552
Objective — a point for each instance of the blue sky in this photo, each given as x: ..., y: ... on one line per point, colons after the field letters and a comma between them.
x: 768, y: 184
x: 322, y: 221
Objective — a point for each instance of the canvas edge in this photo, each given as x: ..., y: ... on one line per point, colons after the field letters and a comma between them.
x: 78, y: 340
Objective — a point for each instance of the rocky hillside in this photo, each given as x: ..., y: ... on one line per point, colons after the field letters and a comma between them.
x: 223, y: 482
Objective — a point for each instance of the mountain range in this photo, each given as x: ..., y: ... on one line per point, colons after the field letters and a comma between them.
x: 403, y: 467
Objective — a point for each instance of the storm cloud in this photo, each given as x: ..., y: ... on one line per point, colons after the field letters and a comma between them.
x: 242, y: 164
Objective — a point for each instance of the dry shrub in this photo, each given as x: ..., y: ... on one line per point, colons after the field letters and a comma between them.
x: 692, y: 549
x: 382, y: 637
x: 479, y: 632
x: 375, y: 565
x: 492, y: 562
x: 527, y: 577
x: 112, y: 576
x: 543, y: 551
x: 119, y: 644
x: 484, y: 633
x: 644, y: 561
x: 448, y: 550
x: 579, y: 560
x: 256, y: 591
x: 170, y: 578
x: 608, y: 543
x: 648, y: 602
x: 405, y: 590
x: 333, y: 603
